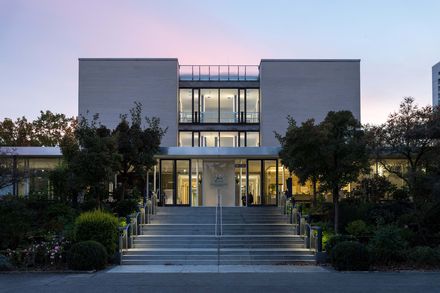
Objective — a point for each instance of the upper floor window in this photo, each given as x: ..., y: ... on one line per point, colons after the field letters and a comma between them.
x: 219, y: 138
x: 219, y: 106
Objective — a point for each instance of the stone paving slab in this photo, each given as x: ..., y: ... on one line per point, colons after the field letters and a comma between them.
x: 217, y: 269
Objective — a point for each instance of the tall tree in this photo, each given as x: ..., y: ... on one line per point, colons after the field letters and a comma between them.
x: 49, y: 128
x: 412, y: 134
x: 344, y: 154
x: 92, y: 158
x: 137, y: 146
x: 301, y: 151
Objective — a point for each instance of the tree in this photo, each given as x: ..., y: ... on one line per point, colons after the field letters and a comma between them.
x: 301, y: 151
x: 47, y: 130
x: 412, y: 134
x: 137, y: 147
x: 344, y: 154
x: 7, y: 169
x: 91, y: 156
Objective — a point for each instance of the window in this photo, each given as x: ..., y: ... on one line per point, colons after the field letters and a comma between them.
x: 209, y: 106
x: 185, y: 106
x: 219, y: 105
x: 185, y: 139
x: 228, y: 105
x: 219, y: 139
x: 252, y: 139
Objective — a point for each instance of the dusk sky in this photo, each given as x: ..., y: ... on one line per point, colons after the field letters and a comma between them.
x: 40, y: 42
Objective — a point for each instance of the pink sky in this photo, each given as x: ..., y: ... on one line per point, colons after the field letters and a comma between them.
x: 40, y: 42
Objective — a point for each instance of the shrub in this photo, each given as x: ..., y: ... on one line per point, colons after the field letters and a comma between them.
x: 87, y: 255
x: 424, y: 256
x: 98, y: 226
x: 350, y: 256
x: 336, y: 239
x: 5, y: 265
x: 126, y: 207
x: 358, y: 228
x: 15, y: 222
x: 387, y: 245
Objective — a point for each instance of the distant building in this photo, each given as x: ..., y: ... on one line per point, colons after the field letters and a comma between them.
x: 436, y: 84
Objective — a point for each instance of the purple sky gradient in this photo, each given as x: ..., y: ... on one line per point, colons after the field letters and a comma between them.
x: 41, y: 41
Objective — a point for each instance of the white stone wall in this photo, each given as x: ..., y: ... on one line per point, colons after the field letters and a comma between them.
x: 111, y: 86
x: 305, y: 89
x: 435, y: 84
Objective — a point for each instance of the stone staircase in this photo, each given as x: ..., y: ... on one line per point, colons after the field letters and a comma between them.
x: 186, y: 236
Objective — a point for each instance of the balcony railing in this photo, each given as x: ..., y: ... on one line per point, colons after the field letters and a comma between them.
x: 219, y: 72
x: 225, y: 117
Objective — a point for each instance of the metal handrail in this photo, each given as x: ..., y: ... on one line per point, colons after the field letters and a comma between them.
x: 133, y: 227
x: 312, y: 234
x: 219, y: 216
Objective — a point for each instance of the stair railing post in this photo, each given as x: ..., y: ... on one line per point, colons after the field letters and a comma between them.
x: 307, y: 238
x: 318, y: 239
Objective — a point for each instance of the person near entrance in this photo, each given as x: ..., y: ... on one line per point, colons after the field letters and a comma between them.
x: 250, y: 199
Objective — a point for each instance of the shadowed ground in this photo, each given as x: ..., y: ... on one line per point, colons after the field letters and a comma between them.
x: 188, y: 280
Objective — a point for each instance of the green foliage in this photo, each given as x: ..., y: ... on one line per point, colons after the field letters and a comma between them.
x: 47, y: 130
x: 358, y: 228
x: 23, y: 219
x: 387, y: 246
x: 126, y: 207
x: 375, y: 189
x: 98, y: 226
x: 5, y: 264
x: 15, y: 222
x: 335, y: 240
x: 137, y: 146
x: 87, y: 255
x: 350, y: 256
x: 424, y: 256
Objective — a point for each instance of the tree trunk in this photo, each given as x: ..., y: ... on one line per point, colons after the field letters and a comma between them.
x: 335, y: 194
x: 314, y: 191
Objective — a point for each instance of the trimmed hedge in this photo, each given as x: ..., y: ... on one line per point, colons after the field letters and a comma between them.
x: 87, y: 255
x: 350, y: 256
x: 5, y: 264
x: 424, y: 256
x: 336, y: 239
x: 387, y: 245
x: 98, y: 226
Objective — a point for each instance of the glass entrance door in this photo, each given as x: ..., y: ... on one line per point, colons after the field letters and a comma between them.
x: 262, y: 188
x: 175, y: 182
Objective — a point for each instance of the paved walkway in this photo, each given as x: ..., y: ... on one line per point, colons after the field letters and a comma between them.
x: 255, y: 282
x: 217, y: 269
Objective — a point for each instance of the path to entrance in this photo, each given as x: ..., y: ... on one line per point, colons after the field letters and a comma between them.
x: 217, y: 269
x: 331, y: 281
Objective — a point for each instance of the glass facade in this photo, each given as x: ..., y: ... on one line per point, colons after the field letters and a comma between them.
x: 219, y: 139
x: 219, y: 105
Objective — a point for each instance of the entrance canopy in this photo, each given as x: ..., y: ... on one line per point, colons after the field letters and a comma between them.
x: 218, y: 152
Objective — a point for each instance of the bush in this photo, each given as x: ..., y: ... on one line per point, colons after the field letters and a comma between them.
x: 350, y: 256
x: 424, y: 256
x: 358, y: 228
x: 387, y: 245
x: 87, y: 255
x: 126, y: 207
x: 336, y: 239
x: 98, y: 226
x: 5, y: 265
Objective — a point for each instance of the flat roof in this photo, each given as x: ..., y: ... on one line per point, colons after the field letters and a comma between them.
x: 31, y: 151
x: 127, y: 59
x: 219, y: 152
x: 310, y: 60
x: 165, y: 152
